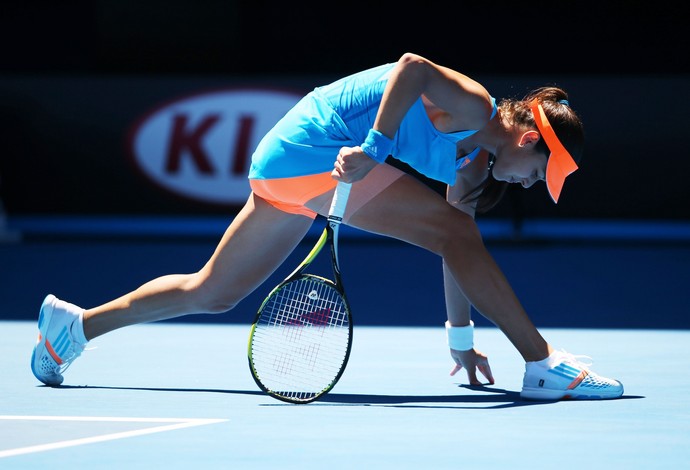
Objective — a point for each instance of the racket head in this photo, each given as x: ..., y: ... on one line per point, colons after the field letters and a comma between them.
x: 301, y: 339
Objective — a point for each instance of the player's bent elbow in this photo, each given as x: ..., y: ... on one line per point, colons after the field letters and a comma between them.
x: 414, y: 66
x: 410, y: 58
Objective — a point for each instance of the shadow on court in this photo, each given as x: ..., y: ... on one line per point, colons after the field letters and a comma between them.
x: 481, y: 394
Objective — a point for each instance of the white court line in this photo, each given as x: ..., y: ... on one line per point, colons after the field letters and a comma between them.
x: 179, y: 423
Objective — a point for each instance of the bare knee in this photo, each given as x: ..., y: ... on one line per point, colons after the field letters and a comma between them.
x: 219, y: 305
x: 212, y: 297
x: 458, y: 231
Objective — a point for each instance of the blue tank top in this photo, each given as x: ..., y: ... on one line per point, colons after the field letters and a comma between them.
x: 307, y: 139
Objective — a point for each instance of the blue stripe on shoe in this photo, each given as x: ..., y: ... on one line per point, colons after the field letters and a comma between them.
x: 62, y: 342
x: 565, y: 371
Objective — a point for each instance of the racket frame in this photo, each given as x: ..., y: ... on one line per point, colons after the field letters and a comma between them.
x: 328, y: 236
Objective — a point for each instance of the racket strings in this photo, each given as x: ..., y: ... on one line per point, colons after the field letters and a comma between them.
x: 301, y: 338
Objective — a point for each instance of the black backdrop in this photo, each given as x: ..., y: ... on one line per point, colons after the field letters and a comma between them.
x: 74, y: 73
x: 337, y: 37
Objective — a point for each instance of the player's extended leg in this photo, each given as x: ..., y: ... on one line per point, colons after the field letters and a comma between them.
x: 259, y: 239
x: 255, y: 244
x: 410, y: 211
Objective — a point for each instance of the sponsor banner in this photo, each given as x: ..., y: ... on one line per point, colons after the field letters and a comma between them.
x: 134, y: 145
x: 200, y: 146
x: 178, y: 146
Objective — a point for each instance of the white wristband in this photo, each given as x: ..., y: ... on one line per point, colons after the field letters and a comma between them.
x: 460, y: 338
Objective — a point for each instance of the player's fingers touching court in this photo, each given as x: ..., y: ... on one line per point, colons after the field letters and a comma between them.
x: 472, y: 360
x: 485, y: 369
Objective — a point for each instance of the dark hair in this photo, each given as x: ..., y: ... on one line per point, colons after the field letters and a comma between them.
x: 565, y: 122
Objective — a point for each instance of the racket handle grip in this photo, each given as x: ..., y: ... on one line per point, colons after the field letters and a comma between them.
x: 342, y: 193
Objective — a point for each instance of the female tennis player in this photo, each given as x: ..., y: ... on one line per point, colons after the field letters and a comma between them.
x: 444, y: 125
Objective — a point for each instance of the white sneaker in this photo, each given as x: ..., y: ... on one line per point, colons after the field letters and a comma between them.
x: 566, y: 378
x: 56, y: 347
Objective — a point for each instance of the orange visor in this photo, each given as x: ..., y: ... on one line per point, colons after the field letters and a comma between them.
x: 560, y: 163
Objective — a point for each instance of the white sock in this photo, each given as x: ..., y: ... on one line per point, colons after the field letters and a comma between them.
x: 552, y: 361
x: 77, y: 329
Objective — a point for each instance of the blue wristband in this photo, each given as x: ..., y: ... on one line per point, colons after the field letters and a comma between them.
x: 377, y: 146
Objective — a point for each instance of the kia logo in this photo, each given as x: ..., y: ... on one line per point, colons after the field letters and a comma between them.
x: 200, y: 147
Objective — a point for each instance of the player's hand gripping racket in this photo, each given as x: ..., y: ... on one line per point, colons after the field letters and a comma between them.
x: 302, y: 334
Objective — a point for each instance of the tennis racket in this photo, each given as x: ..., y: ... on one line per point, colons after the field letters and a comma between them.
x: 301, y: 337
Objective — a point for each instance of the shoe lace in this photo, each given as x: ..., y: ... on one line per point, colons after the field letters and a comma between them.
x: 74, y: 352
x: 579, y: 360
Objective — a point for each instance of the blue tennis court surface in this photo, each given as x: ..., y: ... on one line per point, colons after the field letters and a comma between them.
x: 181, y: 396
